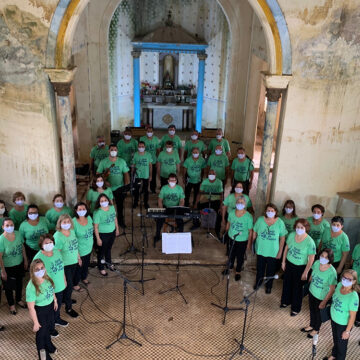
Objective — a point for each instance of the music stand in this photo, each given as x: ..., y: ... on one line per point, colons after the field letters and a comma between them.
x: 176, y: 243
x: 209, y: 233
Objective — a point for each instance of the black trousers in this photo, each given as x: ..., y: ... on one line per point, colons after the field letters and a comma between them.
x: 70, y: 271
x: 292, y: 293
x: 214, y: 204
x: 238, y: 253
x: 59, y: 297
x: 83, y: 270
x: 188, y: 188
x: 45, y: 315
x: 104, y: 251
x: 163, y: 181
x: 14, y: 281
x: 119, y: 198
x: 144, y: 190
x: 340, y: 346
x: 265, y: 266
x: 315, y: 317
x: 153, y: 180
x: 160, y: 223
x: 30, y: 253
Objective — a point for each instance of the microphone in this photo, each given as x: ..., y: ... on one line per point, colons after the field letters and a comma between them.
x: 315, y: 341
x: 275, y: 277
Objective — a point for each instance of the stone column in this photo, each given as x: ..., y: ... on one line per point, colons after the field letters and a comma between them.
x: 200, y: 91
x: 273, y: 96
x: 61, y: 81
x: 136, y: 76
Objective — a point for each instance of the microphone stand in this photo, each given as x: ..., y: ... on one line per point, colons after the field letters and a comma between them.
x: 122, y: 334
x: 226, y: 308
x: 208, y: 233
x: 314, y: 343
x: 241, y: 347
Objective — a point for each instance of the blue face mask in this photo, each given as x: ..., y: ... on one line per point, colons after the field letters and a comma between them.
x: 240, y: 206
x: 346, y: 282
x: 335, y: 229
x: 270, y: 214
x: 323, y: 261
x: 300, y: 231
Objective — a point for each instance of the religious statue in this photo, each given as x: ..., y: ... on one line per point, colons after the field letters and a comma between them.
x: 169, y: 73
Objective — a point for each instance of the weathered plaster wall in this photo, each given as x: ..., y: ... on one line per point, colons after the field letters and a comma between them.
x: 319, y: 148
x: 29, y: 149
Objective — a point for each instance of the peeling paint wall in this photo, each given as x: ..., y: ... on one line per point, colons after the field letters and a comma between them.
x: 29, y: 148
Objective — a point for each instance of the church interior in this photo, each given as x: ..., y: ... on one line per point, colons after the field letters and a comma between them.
x: 138, y: 108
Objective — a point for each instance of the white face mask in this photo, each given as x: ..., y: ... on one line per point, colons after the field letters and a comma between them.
x: 104, y: 204
x: 59, y: 204
x: 100, y: 144
x: 169, y: 150
x: 241, y: 156
x: 218, y: 152
x: 9, y: 229
x: 240, y: 206
x: 323, y: 261
x: 335, y: 229
x: 40, y: 273
x: 172, y: 183
x: 194, y: 137
x: 81, y: 212
x: 65, y: 226
x: 100, y: 184
x: 127, y: 137
x: 212, y: 177
x: 195, y: 156
x: 2, y: 211
x: 113, y: 153
x: 141, y: 149
x: 171, y: 132
x: 219, y: 137
x: 270, y: 214
x: 289, y: 210
x: 346, y: 282
x: 149, y: 134
x: 239, y: 190
x: 317, y: 216
x: 48, y: 247
x: 19, y: 202
x: 33, y: 216
x: 300, y: 231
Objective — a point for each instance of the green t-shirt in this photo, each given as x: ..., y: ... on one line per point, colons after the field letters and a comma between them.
x: 54, y: 266
x: 321, y: 280
x: 289, y: 223
x: 12, y: 250
x: 337, y: 244
x: 117, y: 170
x: 342, y: 305
x: 298, y: 253
x: 316, y: 231
x: 176, y: 142
x: 356, y: 258
x: 141, y: 163
x: 218, y: 163
x: 98, y: 154
x: 31, y: 233
x: 52, y: 215
x: 240, y: 225
x: 268, y: 237
x: 105, y: 219
x: 189, y: 146
x: 84, y: 235
x: 44, y: 297
x: 171, y: 196
x: 68, y: 245
x: 242, y: 169
x: 224, y: 144
x: 230, y: 202
x: 18, y: 216
x: 93, y: 195
x: 168, y: 163
x: 211, y: 187
x: 151, y: 145
x: 194, y: 168
x: 127, y: 150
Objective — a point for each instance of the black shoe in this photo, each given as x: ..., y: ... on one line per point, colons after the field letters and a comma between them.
x: 283, y: 306
x: 73, y: 301
x: 237, y: 277
x: 306, y: 331
x: 54, y: 334
x: 72, y: 313
x: 309, y: 336
x: 13, y: 312
x: 255, y: 287
x: 357, y: 324
x: 61, y: 322
x: 295, y: 314
x: 2, y: 327
x: 268, y: 291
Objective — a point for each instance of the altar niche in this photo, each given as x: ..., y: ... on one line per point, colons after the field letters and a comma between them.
x: 169, y: 103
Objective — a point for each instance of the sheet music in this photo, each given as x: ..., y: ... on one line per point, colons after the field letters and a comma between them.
x: 176, y: 243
